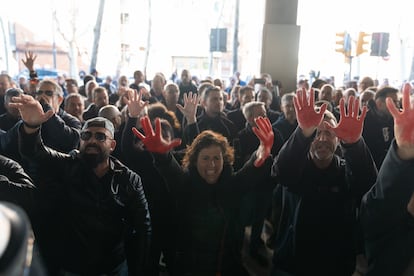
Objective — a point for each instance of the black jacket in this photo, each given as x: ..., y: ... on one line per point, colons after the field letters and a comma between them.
x: 208, y: 224
x: 15, y: 185
x: 101, y: 221
x: 324, y: 236
x: 378, y: 133
x: 62, y: 131
x: 387, y: 225
x: 220, y: 124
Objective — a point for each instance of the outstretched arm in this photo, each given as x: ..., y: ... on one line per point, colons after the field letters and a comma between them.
x: 31, y: 112
x: 135, y: 103
x: 404, y: 131
x: 265, y: 134
x: 308, y: 118
x: 403, y: 124
x: 153, y: 141
x: 29, y: 61
x: 189, y: 109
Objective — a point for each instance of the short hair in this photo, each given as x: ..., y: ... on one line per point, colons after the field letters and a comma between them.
x: 109, y: 112
x: 267, y: 91
x: 159, y: 110
x: 367, y: 82
x: 288, y: 97
x: 56, y: 86
x: 7, y: 77
x: 73, y: 95
x: 328, y: 86
x: 71, y: 81
x: 203, y: 86
x: 208, y: 91
x: 171, y: 84
x: 204, y: 140
x: 244, y: 89
x: 98, y: 90
x: 384, y: 92
x: 248, y: 108
x: 88, y: 78
x: 318, y: 83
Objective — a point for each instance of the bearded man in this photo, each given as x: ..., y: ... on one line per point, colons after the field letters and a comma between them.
x: 103, y: 225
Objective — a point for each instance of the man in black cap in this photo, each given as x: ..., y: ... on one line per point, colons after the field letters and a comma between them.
x: 103, y: 225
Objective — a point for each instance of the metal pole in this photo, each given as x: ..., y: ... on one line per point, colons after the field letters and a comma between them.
x: 236, y: 37
x: 5, y: 41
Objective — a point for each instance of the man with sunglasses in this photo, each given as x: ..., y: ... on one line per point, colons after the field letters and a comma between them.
x: 103, y: 225
x: 61, y: 131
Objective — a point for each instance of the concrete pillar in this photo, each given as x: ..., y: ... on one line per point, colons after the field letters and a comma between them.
x: 280, y: 45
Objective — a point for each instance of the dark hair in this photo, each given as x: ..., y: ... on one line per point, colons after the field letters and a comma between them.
x: 204, y: 140
x: 166, y: 127
x: 158, y: 110
x: 87, y: 78
x: 208, y: 90
x: 384, y: 92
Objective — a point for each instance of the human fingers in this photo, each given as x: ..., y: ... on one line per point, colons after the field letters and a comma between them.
x: 138, y: 134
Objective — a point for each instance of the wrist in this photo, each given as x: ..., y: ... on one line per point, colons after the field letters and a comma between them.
x: 30, y: 125
x: 191, y: 120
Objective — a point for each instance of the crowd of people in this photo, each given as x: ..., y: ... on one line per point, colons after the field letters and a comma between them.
x: 163, y: 176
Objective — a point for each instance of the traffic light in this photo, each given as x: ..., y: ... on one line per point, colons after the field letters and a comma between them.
x: 362, y: 40
x: 344, y: 40
x: 379, y: 44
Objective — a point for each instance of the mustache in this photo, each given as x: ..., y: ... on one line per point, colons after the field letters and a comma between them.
x: 323, y: 144
x: 93, y: 146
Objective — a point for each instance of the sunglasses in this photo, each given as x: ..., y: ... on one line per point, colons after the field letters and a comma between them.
x: 99, y: 136
x: 48, y: 93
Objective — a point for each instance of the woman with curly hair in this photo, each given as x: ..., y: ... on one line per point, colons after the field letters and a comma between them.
x: 207, y: 192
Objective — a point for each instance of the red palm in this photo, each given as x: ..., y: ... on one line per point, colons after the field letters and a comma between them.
x: 403, y: 120
x: 265, y: 134
x: 307, y: 116
x: 349, y: 128
x: 153, y: 141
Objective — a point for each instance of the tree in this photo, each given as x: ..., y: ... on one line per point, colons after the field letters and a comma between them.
x: 97, y: 35
x: 148, y: 37
x: 73, y: 29
x: 70, y: 36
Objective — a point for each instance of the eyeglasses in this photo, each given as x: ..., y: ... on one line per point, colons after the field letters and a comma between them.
x: 99, y: 136
x: 48, y: 93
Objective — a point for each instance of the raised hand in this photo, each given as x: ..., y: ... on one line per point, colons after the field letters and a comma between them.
x: 31, y: 111
x: 189, y: 109
x: 153, y: 141
x: 308, y: 118
x: 265, y: 134
x: 30, y: 59
x: 403, y: 124
x: 349, y: 128
x: 135, y: 103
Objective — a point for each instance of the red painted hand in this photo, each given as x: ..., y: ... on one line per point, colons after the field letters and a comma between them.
x: 265, y: 134
x: 403, y: 123
x: 349, y: 128
x: 308, y: 118
x: 153, y: 141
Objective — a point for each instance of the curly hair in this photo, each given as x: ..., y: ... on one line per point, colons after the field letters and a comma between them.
x: 204, y: 140
x: 159, y: 110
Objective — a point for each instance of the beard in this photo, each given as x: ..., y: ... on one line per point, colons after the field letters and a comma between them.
x: 92, y: 160
x: 323, y: 151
